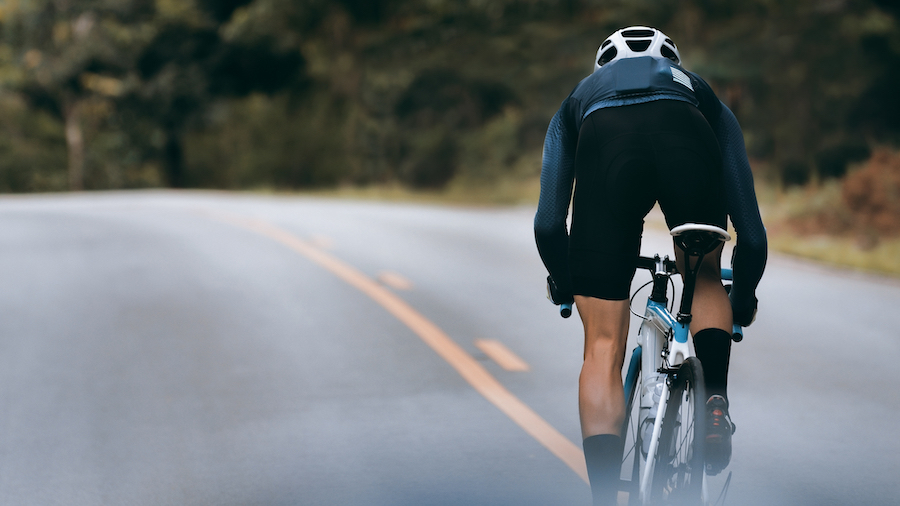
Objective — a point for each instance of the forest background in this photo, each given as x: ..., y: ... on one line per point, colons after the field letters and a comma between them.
x: 446, y: 96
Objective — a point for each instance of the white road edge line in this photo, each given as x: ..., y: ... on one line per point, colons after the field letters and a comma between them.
x: 467, y: 367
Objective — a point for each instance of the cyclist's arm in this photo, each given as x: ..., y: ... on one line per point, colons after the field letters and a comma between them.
x: 557, y: 177
x: 749, y: 259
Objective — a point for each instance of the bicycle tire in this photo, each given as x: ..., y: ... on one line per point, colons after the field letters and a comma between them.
x: 679, y: 468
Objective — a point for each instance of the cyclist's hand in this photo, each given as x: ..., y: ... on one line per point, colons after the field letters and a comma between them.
x: 555, y: 295
x: 743, y: 311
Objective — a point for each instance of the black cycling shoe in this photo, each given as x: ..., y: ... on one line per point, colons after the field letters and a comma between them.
x: 718, y: 435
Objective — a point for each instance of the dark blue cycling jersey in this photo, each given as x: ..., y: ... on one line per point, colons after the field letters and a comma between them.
x: 633, y: 81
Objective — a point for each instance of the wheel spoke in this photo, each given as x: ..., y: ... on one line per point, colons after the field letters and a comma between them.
x: 679, y: 468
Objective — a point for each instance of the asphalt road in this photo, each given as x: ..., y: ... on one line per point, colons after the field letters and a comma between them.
x: 207, y: 348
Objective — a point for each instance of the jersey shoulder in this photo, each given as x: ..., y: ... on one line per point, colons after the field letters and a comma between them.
x: 709, y: 103
x: 700, y: 84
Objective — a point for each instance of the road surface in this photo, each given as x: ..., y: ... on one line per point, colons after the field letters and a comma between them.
x: 193, y: 348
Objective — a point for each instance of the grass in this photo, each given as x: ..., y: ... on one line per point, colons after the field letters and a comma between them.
x: 778, y: 206
x: 501, y: 192
x: 785, y: 211
x: 883, y: 258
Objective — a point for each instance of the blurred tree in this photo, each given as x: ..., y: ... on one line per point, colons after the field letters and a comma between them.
x: 70, y: 54
x: 221, y: 10
x: 32, y: 148
x: 434, y: 110
x: 329, y: 91
x: 809, y: 80
x: 188, y: 65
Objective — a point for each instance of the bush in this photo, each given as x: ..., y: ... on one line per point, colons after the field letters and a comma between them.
x: 32, y: 149
x: 833, y: 162
x: 432, y: 159
x: 267, y: 142
x: 872, y: 193
x: 437, y: 114
x: 795, y: 173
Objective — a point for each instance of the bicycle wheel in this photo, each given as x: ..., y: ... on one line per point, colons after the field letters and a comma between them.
x: 678, y: 472
x: 631, y: 456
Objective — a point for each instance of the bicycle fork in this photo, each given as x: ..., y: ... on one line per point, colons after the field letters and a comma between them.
x: 661, y: 355
x: 654, y: 445
x: 652, y: 339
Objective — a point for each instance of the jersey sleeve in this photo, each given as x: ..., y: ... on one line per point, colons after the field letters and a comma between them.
x: 708, y: 103
x: 557, y: 178
x: 749, y: 260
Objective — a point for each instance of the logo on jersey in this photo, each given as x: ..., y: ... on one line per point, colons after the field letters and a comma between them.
x: 681, y: 78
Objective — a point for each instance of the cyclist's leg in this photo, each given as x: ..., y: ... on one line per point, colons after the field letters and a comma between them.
x: 601, y: 401
x: 611, y: 199
x: 691, y: 191
x: 711, y: 323
x: 712, y: 344
x: 711, y: 307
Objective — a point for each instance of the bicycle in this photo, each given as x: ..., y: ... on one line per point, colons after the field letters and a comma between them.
x: 668, y: 467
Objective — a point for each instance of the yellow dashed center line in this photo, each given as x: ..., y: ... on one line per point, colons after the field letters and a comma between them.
x: 394, y: 280
x: 321, y: 241
x: 466, y: 365
x: 499, y: 353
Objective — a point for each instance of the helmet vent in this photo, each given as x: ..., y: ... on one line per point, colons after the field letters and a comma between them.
x: 607, y: 56
x: 605, y: 43
x: 638, y: 45
x: 669, y: 41
x: 638, y: 33
x: 668, y: 53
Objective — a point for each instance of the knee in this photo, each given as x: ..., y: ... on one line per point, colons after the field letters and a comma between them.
x: 604, y: 354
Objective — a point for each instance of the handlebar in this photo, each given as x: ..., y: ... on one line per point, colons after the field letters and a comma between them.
x: 670, y: 267
x: 737, y: 333
x: 650, y: 264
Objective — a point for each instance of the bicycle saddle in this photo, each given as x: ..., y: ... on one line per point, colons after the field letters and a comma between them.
x: 697, y: 238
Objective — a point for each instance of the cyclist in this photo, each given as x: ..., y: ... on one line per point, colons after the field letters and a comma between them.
x: 638, y: 130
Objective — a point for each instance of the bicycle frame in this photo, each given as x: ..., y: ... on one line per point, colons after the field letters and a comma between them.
x: 659, y: 352
x: 662, y: 347
x: 662, y: 350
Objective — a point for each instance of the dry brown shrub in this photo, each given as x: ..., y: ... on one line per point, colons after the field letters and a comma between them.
x: 872, y: 194
x: 816, y: 210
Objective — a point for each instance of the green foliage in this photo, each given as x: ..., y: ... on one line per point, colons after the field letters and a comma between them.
x: 433, y: 113
x: 263, y: 142
x: 296, y: 94
x: 32, y: 149
x: 805, y: 78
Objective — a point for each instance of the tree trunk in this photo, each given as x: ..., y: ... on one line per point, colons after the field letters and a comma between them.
x: 74, y: 145
x: 174, y: 158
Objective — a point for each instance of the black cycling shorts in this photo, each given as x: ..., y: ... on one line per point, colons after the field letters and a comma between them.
x: 627, y: 159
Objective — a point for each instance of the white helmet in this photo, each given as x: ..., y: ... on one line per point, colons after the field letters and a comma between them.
x: 636, y: 41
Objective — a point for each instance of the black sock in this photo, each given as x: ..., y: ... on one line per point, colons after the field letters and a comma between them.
x: 713, y: 348
x: 603, y: 456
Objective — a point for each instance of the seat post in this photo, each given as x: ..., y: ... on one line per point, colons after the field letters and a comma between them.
x: 690, y: 282
x: 696, y: 240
